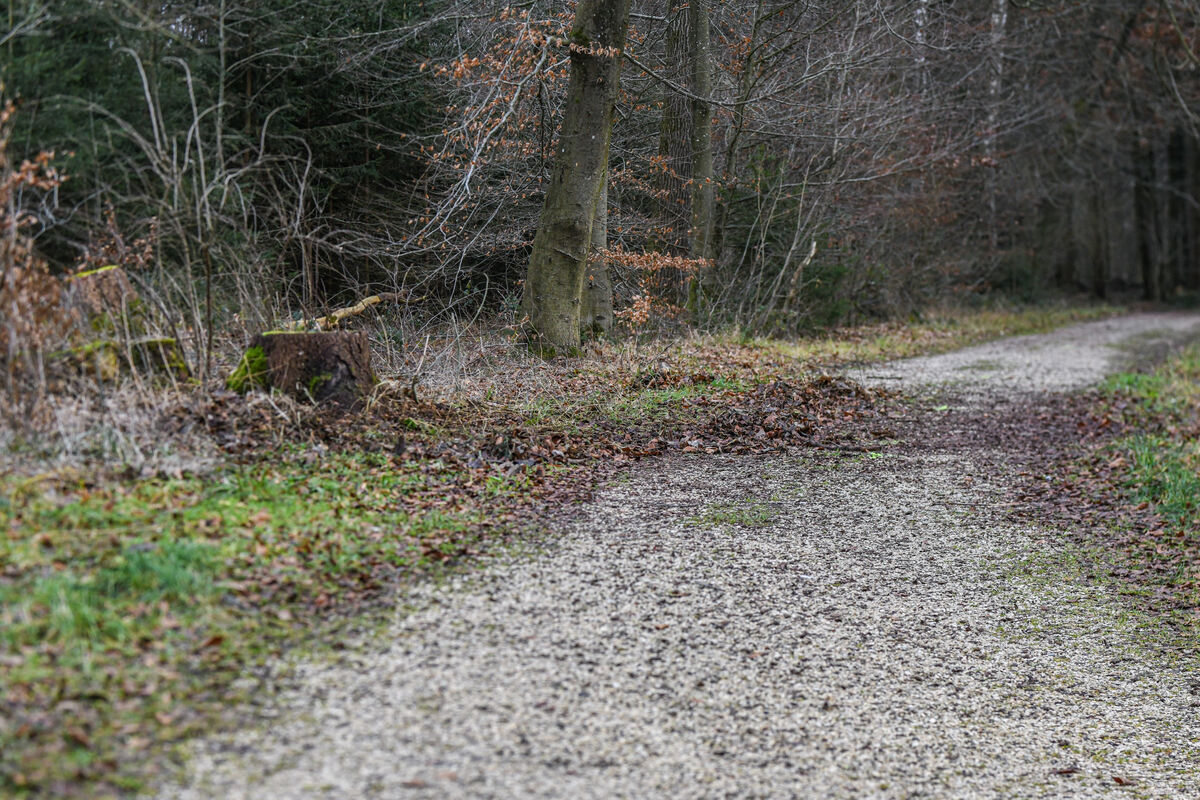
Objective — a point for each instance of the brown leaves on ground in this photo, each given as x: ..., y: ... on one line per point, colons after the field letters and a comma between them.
x: 1076, y: 479
x: 704, y: 415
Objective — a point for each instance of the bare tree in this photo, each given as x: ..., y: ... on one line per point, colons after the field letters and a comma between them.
x: 558, y: 264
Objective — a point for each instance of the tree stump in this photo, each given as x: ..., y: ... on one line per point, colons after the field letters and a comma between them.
x: 116, y: 333
x: 324, y: 366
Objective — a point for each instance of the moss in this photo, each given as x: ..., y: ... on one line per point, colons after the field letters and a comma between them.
x: 418, y: 426
x: 580, y: 38
x: 753, y: 515
x: 161, y: 352
x: 250, y: 373
x: 317, y: 381
x: 99, y: 358
x: 90, y: 348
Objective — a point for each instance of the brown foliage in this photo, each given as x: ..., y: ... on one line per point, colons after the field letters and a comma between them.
x: 34, y: 317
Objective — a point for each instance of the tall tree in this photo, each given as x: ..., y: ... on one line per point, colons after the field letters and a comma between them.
x: 700, y: 58
x: 554, y: 283
x: 674, y: 145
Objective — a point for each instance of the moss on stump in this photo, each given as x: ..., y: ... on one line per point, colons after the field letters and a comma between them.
x: 105, y: 359
x: 324, y: 366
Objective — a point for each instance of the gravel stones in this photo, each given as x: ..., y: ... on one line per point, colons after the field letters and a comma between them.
x: 880, y: 631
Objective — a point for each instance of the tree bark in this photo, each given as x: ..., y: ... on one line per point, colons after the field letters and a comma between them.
x: 700, y: 56
x: 554, y: 282
x: 1099, y: 247
x: 1176, y: 211
x: 326, y: 367
x: 995, y: 90
x: 674, y: 147
x: 920, y: 20
x: 596, y: 316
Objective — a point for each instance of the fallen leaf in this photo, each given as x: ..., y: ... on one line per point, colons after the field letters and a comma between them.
x: 80, y: 736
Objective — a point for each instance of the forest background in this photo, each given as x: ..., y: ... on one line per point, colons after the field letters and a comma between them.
x: 250, y: 164
x: 179, y: 177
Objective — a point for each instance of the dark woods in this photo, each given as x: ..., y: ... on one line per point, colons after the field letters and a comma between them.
x: 773, y: 164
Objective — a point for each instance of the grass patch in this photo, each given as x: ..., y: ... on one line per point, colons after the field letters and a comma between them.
x: 126, y: 609
x: 1156, y: 464
x: 751, y: 515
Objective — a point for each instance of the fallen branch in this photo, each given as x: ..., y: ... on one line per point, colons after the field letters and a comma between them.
x: 335, y: 318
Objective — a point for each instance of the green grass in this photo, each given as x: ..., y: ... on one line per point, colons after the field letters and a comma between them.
x: 661, y: 403
x: 1160, y: 458
x: 125, y: 609
x: 1166, y: 473
x: 750, y: 515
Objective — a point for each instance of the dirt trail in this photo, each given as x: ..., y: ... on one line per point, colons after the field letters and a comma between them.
x: 802, y: 626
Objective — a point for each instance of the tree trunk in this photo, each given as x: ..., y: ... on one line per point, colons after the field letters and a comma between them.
x: 325, y: 367
x: 1192, y: 189
x: 558, y: 264
x: 1176, y: 210
x: 995, y: 91
x: 700, y: 232
x: 746, y: 81
x: 1099, y: 247
x: 1144, y: 220
x: 700, y: 56
x: 596, y: 316
x: 674, y: 148
x: 920, y: 20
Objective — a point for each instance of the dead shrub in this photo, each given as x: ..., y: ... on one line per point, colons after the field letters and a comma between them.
x: 35, y: 320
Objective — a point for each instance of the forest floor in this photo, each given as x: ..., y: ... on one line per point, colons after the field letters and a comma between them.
x: 794, y: 570
x: 812, y: 623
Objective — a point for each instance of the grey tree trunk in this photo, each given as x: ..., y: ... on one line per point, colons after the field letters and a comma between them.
x: 1146, y: 222
x: 995, y: 89
x: 554, y: 283
x: 674, y: 147
x: 596, y: 314
x: 749, y: 70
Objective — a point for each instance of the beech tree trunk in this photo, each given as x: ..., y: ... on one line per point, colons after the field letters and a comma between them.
x: 1145, y: 221
x: 596, y: 317
x: 995, y: 90
x: 700, y: 231
x: 674, y: 133
x: 554, y: 283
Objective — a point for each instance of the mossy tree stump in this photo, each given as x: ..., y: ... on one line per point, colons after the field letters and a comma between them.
x: 324, y: 366
x: 117, y: 333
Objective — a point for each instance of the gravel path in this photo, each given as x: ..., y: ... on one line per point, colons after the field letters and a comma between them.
x: 803, y: 626
x: 1069, y: 358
